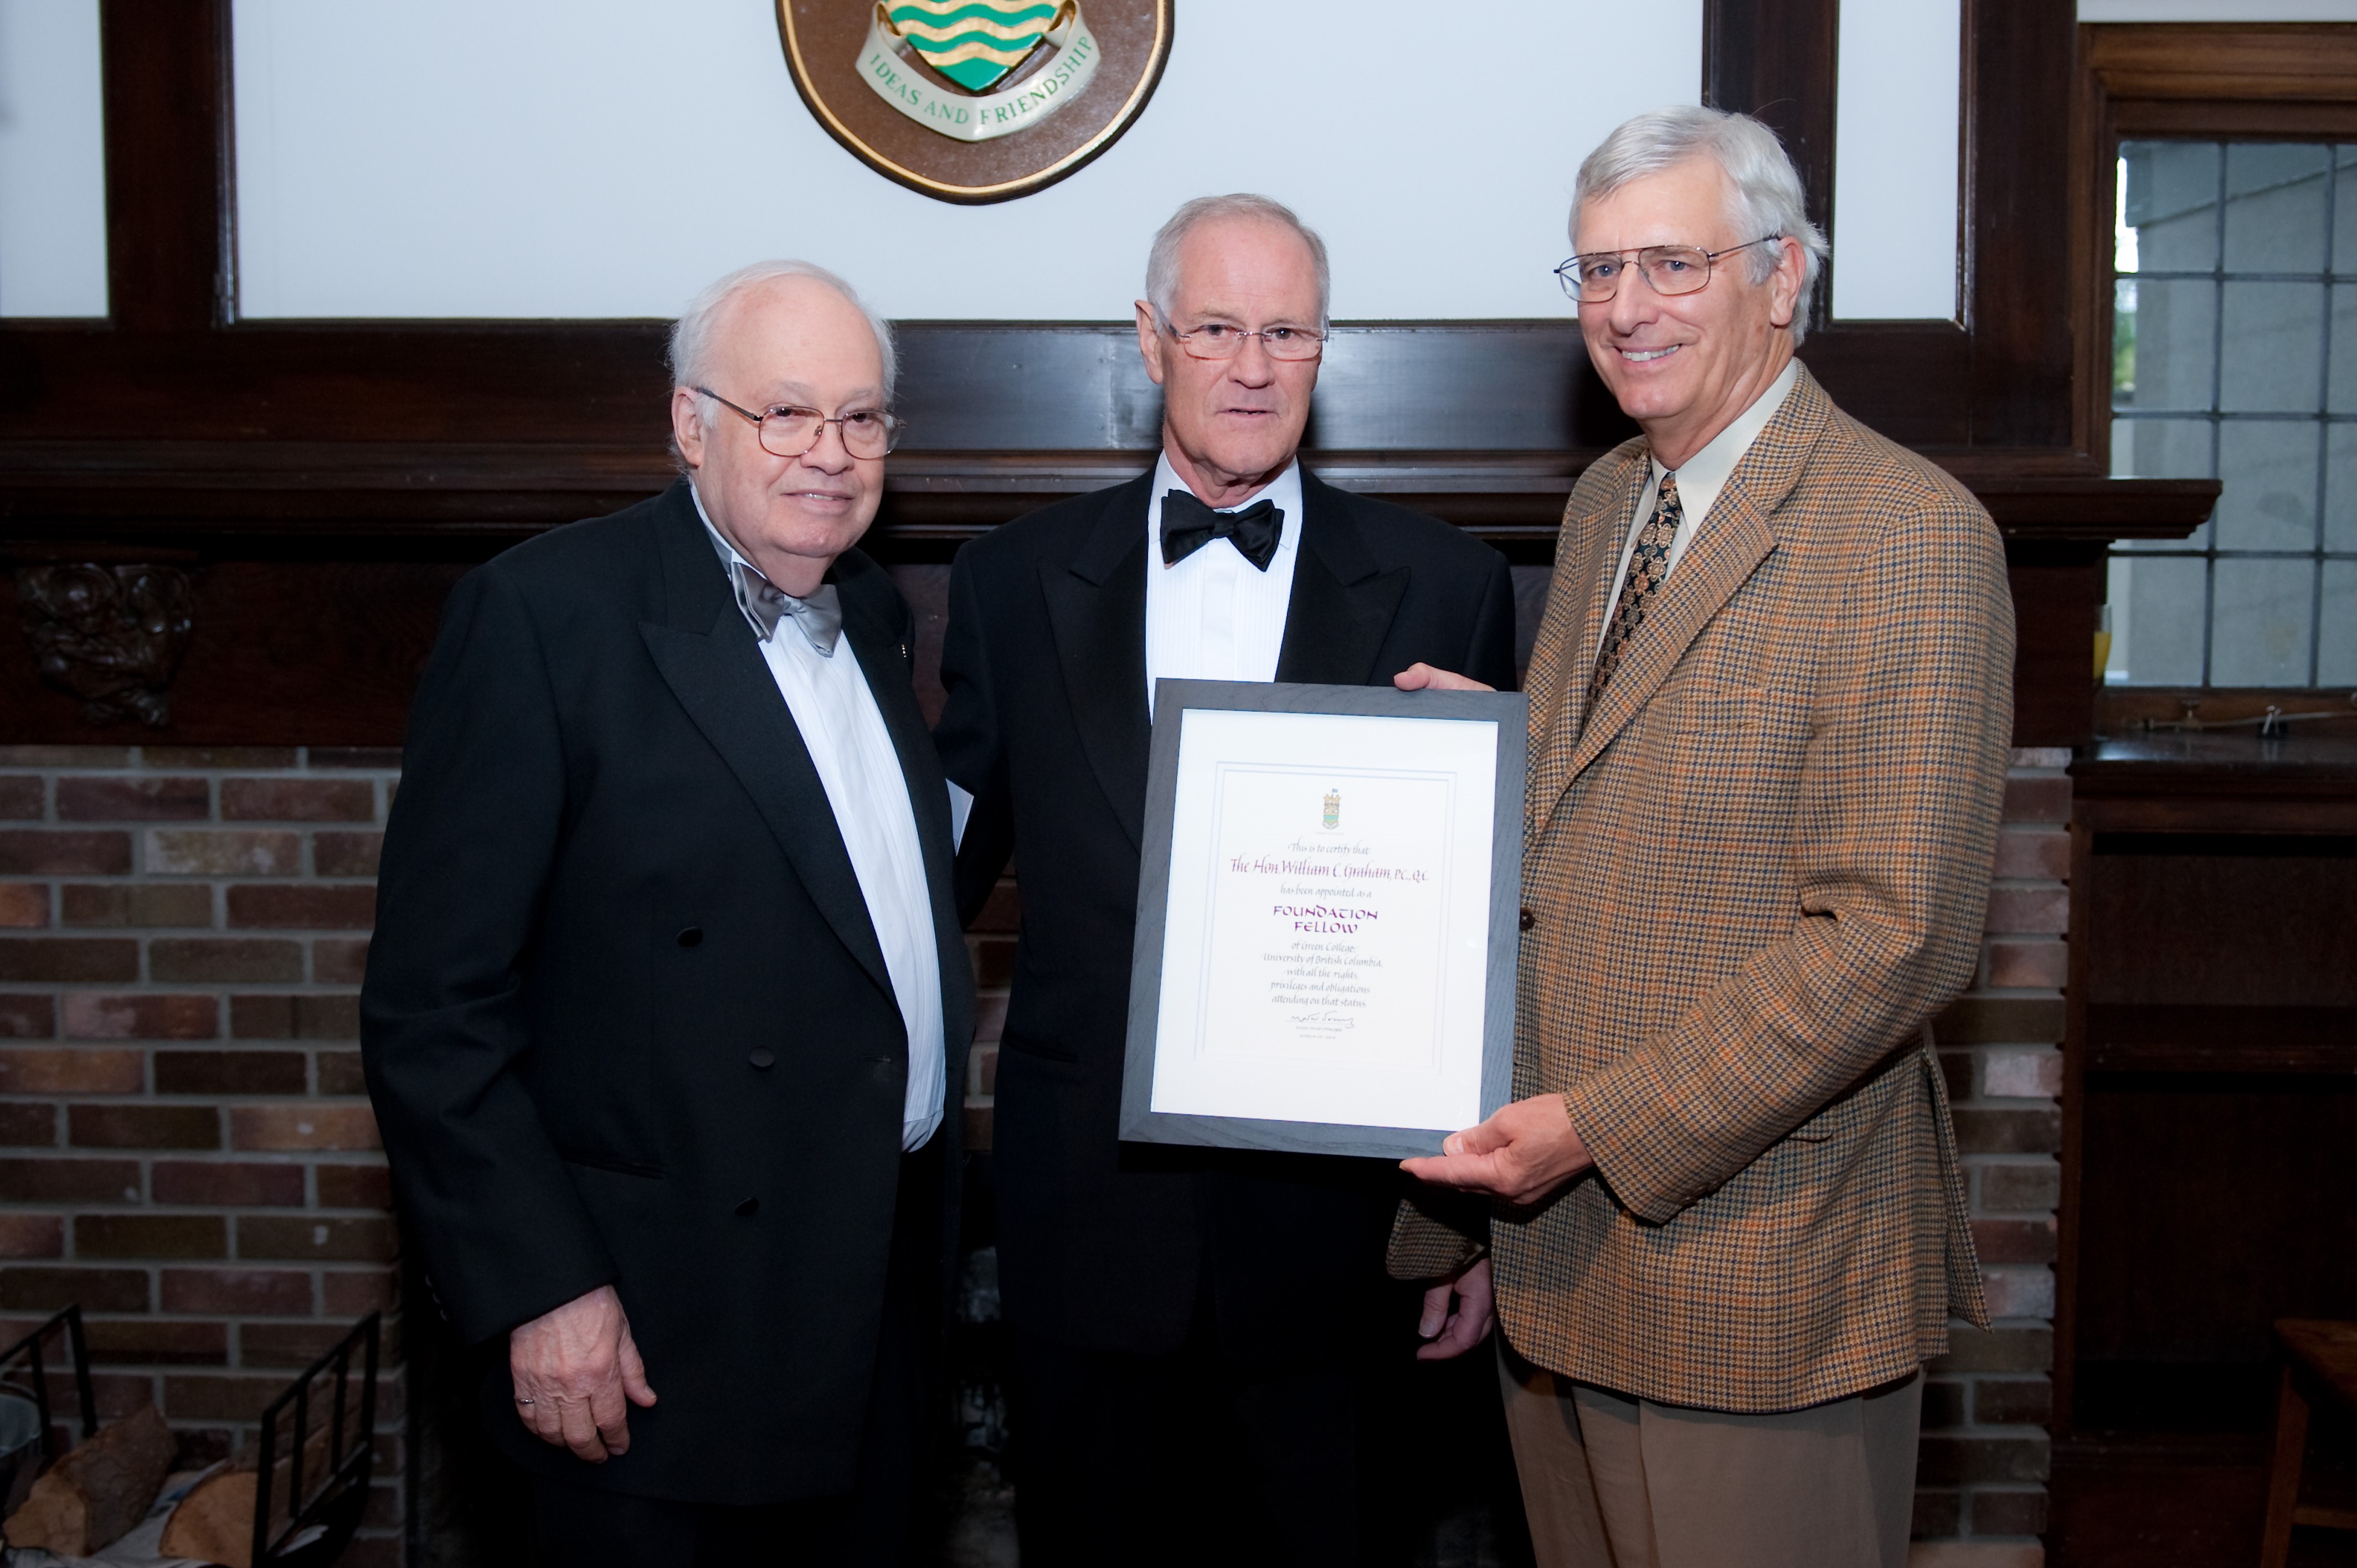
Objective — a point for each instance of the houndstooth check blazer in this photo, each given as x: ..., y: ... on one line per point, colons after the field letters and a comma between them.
x: 1753, y: 874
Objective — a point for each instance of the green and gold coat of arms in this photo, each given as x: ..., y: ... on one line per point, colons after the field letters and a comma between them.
x: 975, y: 100
x: 975, y: 43
x: 972, y: 47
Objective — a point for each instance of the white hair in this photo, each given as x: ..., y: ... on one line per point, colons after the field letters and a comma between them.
x: 1767, y: 201
x: 691, y: 335
x: 1162, y: 261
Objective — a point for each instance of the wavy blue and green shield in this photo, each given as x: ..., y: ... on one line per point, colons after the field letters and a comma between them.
x: 974, y: 43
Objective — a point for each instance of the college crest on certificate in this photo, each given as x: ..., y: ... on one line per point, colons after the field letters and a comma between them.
x: 1328, y: 917
x: 975, y: 100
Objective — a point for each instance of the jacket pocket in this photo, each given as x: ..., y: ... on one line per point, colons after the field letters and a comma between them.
x: 1867, y: 1103
x: 1704, y: 711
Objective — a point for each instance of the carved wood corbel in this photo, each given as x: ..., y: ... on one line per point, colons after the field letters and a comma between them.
x: 111, y: 636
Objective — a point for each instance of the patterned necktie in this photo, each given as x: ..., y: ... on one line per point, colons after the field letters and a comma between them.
x: 819, y: 618
x: 1187, y: 525
x: 1649, y: 564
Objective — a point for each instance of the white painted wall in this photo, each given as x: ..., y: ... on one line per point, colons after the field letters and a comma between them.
x: 52, y: 160
x: 1896, y: 120
x: 605, y: 157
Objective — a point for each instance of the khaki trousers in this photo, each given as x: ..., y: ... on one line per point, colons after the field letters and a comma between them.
x: 1611, y: 1482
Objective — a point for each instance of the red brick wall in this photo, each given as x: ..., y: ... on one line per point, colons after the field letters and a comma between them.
x: 1984, y: 1464
x: 189, y: 1149
x: 186, y: 1147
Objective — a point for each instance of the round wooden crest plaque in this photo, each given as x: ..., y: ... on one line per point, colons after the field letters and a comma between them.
x: 975, y: 101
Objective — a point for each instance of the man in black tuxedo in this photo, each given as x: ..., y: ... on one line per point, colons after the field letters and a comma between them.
x: 1167, y: 1304
x: 668, y: 1005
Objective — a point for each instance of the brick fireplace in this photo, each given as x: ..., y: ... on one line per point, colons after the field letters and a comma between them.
x: 189, y: 1151
x: 189, y: 1148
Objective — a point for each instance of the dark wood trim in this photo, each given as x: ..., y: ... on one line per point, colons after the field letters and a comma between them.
x: 207, y: 495
x: 2166, y: 1038
x: 2020, y: 303
x: 2229, y: 117
x: 2304, y: 784
x: 163, y: 73
x: 2274, y: 62
x: 2188, y: 789
x: 1781, y: 63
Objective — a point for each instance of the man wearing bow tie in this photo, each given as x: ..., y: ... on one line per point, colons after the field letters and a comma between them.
x: 1202, y: 1337
x: 668, y: 991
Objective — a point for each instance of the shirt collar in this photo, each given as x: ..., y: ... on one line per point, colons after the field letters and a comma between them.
x: 730, y: 559
x: 1703, y: 474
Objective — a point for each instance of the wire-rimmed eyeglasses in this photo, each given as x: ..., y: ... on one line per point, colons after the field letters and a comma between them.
x: 1595, y: 276
x: 1223, y: 340
x: 789, y: 431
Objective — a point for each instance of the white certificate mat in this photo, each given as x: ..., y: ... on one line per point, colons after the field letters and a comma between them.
x: 1326, y: 949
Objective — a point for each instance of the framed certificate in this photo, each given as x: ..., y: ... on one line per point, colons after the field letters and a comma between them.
x: 1328, y: 917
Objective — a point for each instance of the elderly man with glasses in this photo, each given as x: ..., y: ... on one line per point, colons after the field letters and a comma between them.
x: 1207, y: 1349
x: 1770, y: 711
x: 668, y: 990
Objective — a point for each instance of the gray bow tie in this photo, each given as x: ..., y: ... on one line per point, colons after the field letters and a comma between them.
x: 819, y: 617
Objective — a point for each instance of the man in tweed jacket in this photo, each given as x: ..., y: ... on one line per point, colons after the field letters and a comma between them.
x: 1769, y: 709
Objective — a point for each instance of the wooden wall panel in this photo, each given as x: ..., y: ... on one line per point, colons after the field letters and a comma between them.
x: 2215, y: 1205
x: 307, y: 654
x: 2266, y: 920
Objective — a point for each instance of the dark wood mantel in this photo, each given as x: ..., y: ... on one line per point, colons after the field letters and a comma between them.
x: 317, y: 568
x: 329, y: 498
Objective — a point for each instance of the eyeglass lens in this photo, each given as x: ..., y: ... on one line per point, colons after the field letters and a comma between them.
x: 1668, y: 269
x: 1218, y: 340
x: 791, y: 432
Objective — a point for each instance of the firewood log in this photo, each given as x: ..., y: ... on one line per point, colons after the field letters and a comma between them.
x: 97, y: 1492
x: 214, y: 1523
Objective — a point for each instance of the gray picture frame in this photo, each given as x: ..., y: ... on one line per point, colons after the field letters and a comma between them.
x: 1173, y: 699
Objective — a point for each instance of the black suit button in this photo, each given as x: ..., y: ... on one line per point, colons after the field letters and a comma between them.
x: 1529, y: 919
x: 690, y: 935
x: 750, y: 1206
x: 763, y: 1057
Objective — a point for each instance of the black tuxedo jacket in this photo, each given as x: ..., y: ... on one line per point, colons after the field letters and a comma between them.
x: 1102, y: 1244
x: 625, y: 1019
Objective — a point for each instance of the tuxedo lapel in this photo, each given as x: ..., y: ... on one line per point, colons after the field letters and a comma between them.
x: 1341, y: 607
x: 1096, y: 610
x: 708, y: 656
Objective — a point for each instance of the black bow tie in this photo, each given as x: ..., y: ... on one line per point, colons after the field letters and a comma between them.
x: 1187, y: 525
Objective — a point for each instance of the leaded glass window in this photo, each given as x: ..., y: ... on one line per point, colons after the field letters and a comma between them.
x: 2234, y: 357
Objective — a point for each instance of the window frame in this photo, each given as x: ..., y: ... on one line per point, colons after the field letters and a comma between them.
x: 2214, y: 82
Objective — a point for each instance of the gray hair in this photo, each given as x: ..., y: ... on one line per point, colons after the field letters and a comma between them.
x: 691, y: 335
x: 1162, y: 261
x: 1767, y: 201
